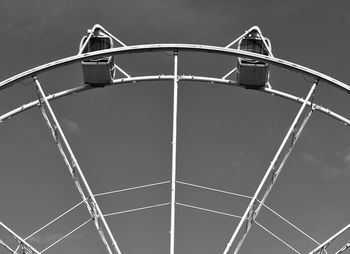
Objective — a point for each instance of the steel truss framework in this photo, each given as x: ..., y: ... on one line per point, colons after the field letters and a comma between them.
x: 257, y: 201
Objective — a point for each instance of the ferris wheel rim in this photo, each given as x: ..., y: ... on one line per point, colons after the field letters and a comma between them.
x: 176, y: 48
x: 191, y: 78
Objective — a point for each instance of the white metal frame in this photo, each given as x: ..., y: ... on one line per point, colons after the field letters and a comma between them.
x: 173, y: 163
x: 255, y: 205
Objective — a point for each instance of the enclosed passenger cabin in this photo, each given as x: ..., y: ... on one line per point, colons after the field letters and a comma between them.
x: 253, y: 73
x: 98, y: 71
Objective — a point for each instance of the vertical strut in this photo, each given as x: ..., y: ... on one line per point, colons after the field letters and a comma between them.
x: 75, y: 170
x: 252, y: 211
x: 26, y: 247
x: 173, y: 164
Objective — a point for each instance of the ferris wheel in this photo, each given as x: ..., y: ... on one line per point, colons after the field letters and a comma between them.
x: 98, y: 56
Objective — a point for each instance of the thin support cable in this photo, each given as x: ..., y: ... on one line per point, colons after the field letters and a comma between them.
x: 250, y: 211
x: 132, y: 188
x: 278, y: 238
x: 173, y: 157
x: 289, y: 223
x: 65, y: 236
x: 209, y: 210
x: 249, y: 197
x: 137, y: 209
x: 54, y: 220
x: 239, y: 217
x: 76, y: 171
x: 212, y: 189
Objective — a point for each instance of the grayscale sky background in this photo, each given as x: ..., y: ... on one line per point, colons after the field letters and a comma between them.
x: 227, y: 136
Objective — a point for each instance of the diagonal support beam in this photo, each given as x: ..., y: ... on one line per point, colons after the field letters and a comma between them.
x: 240, y: 37
x: 322, y: 247
x: 75, y: 170
x: 253, y: 207
x: 111, y: 35
x: 91, y: 32
x: 24, y: 245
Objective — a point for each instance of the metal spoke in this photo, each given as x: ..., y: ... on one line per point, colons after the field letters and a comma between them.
x: 75, y: 170
x: 173, y: 159
x: 251, y: 211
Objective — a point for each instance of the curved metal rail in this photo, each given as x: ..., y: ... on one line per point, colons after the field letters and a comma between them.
x: 178, y: 48
x: 83, y: 88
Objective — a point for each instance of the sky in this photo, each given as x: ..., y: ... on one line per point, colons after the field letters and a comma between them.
x: 227, y: 136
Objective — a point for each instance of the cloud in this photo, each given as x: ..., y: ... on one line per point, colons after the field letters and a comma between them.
x: 331, y: 172
x: 238, y: 161
x: 327, y: 170
x: 70, y: 126
x: 343, y: 169
x: 309, y: 158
